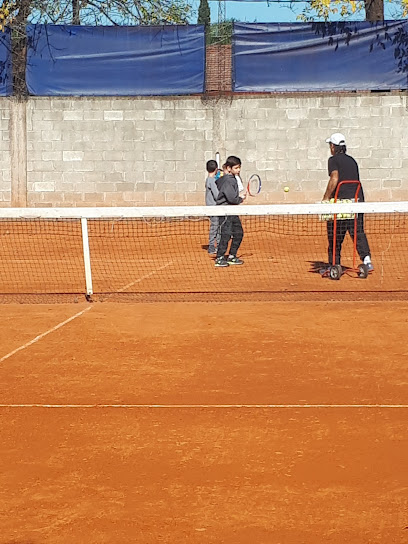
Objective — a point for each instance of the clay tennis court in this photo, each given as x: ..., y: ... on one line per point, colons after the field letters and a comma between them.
x: 267, y: 422
x: 274, y: 411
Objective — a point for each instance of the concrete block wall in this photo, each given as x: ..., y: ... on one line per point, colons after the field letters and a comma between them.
x: 5, y: 156
x: 152, y: 151
x: 117, y: 151
x: 283, y: 139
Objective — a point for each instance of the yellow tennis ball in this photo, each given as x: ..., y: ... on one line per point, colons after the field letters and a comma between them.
x: 286, y: 189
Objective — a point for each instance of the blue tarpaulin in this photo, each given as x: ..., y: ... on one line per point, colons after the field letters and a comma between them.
x: 6, y: 75
x: 115, y: 61
x: 281, y: 57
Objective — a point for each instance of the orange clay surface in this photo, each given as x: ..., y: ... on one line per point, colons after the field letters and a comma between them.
x: 266, y: 423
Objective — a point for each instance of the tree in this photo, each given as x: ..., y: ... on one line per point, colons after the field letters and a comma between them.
x: 204, y: 17
x: 118, y: 12
x: 204, y: 14
x: 344, y: 9
x: 374, y: 10
x: 98, y: 12
x: 221, y: 33
x: 76, y: 12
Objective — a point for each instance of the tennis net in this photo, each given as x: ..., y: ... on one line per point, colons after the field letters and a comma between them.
x: 162, y: 253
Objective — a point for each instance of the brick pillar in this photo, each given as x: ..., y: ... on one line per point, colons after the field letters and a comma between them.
x: 218, y: 69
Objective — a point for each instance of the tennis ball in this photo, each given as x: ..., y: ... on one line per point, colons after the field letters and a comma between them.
x: 286, y: 189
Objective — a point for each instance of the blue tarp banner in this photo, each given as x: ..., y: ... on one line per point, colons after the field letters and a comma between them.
x: 115, y: 61
x: 6, y: 74
x: 305, y: 57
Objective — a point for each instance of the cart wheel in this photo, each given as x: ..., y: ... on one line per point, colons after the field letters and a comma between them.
x: 362, y: 271
x: 335, y: 272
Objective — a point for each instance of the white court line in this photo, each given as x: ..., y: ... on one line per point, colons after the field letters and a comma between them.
x: 210, y: 406
x: 40, y: 336
x: 143, y: 277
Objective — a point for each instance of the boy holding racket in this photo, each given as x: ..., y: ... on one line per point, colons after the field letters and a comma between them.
x: 231, y: 227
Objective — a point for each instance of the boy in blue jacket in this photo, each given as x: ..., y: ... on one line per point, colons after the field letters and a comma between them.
x: 211, y: 195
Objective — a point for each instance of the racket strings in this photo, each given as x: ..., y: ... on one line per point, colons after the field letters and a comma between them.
x: 254, y: 185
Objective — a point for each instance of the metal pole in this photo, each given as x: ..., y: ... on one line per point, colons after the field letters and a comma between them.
x: 87, y: 257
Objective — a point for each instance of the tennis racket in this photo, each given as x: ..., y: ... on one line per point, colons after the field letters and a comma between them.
x: 254, y: 185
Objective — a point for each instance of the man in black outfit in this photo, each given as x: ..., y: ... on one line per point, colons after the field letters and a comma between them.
x: 343, y: 167
x: 230, y: 225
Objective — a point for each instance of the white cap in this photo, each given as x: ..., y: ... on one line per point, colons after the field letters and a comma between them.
x: 337, y: 139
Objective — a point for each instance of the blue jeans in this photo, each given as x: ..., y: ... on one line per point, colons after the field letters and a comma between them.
x: 214, y: 236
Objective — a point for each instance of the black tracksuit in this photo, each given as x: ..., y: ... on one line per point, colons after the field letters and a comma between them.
x: 231, y: 224
x: 348, y: 170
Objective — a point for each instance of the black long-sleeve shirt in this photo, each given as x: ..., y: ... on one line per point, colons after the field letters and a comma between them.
x: 228, y: 191
x: 347, y: 169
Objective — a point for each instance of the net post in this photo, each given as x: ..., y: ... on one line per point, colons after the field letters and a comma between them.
x: 87, y: 257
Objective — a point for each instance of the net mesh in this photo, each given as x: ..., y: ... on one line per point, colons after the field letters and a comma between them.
x: 146, y: 256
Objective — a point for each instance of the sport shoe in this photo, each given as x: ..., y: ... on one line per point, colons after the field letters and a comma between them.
x: 370, y: 267
x: 234, y: 260
x: 221, y: 262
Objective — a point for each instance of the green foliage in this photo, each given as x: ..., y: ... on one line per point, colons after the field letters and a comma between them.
x: 324, y: 10
x: 106, y: 12
x: 341, y: 10
x: 220, y: 33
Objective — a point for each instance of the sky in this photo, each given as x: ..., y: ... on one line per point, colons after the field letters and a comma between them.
x: 254, y: 11
x: 261, y: 12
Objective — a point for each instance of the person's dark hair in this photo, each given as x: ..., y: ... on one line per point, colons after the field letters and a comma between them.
x: 232, y: 160
x: 211, y: 166
x: 339, y: 149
